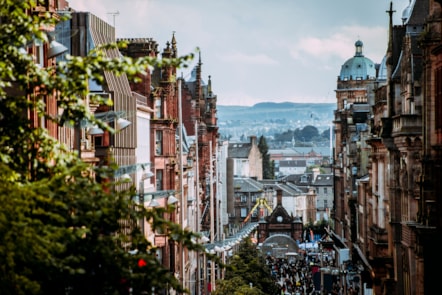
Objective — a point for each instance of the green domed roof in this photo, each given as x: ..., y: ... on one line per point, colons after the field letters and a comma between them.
x: 358, y: 67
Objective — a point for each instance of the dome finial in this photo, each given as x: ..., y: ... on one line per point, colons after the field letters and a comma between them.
x: 359, y: 46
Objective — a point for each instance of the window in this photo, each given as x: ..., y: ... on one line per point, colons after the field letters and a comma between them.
x: 325, y: 190
x: 243, y: 212
x: 159, y: 180
x: 98, y: 140
x: 39, y: 53
x: 243, y: 198
x: 158, y: 142
x: 158, y: 108
x: 438, y: 98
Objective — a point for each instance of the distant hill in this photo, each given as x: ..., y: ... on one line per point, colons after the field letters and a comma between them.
x: 277, y: 111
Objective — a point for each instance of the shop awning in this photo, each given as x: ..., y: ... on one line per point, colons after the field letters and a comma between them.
x: 362, y: 257
x: 339, y: 242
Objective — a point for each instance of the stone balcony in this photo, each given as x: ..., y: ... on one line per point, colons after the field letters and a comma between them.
x: 407, y: 124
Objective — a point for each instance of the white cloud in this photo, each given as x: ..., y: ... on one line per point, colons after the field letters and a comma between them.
x: 250, y: 59
x: 259, y: 50
x: 341, y: 45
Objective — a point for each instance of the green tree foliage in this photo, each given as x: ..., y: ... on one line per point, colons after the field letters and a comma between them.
x: 247, y: 266
x: 326, y: 134
x: 286, y: 136
x: 268, y: 169
x: 309, y: 132
x: 236, y: 286
x: 60, y: 230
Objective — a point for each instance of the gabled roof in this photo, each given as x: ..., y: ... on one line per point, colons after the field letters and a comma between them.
x: 299, y: 189
x: 287, y: 190
x: 417, y: 13
x: 398, y: 36
x: 414, y: 17
x: 279, y: 211
x: 323, y: 180
x: 244, y: 184
x: 304, y: 179
x: 239, y: 150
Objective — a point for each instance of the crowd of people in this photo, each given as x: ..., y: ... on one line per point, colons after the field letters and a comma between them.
x: 300, y: 275
x: 294, y: 277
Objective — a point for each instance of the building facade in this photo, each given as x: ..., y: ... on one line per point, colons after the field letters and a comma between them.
x: 354, y: 95
x: 387, y: 159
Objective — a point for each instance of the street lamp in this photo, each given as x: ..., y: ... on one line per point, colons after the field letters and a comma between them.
x: 204, y: 239
x: 93, y: 129
x: 122, y: 123
x: 55, y: 48
x: 126, y: 177
x: 114, y: 116
x: 153, y: 203
x: 172, y: 200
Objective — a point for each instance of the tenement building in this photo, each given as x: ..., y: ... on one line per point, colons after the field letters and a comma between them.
x: 387, y: 157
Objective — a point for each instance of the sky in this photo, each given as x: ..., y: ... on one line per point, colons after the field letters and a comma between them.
x: 259, y: 50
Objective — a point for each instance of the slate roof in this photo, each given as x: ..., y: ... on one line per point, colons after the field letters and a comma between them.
x: 418, y: 13
x: 292, y: 163
x: 239, y: 150
x: 244, y: 184
x: 324, y: 180
x: 301, y: 151
x: 304, y: 179
x: 414, y: 25
x: 299, y: 189
x: 287, y: 190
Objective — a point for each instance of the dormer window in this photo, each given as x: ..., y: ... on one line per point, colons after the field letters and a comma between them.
x: 304, y: 179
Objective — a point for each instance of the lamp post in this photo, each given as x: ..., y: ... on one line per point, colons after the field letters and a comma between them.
x: 322, y: 268
x: 198, y: 221
x: 212, y: 216
x: 144, y: 176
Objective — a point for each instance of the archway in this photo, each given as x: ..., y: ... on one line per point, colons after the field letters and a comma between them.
x: 279, y: 245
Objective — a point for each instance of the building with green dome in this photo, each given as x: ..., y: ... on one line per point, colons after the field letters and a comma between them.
x: 355, y: 96
x: 358, y: 67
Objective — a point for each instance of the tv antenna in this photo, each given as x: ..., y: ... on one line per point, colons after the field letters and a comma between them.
x: 114, y: 14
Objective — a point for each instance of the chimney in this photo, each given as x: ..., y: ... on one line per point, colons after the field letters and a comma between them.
x: 253, y: 140
x: 316, y: 172
x: 279, y: 197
